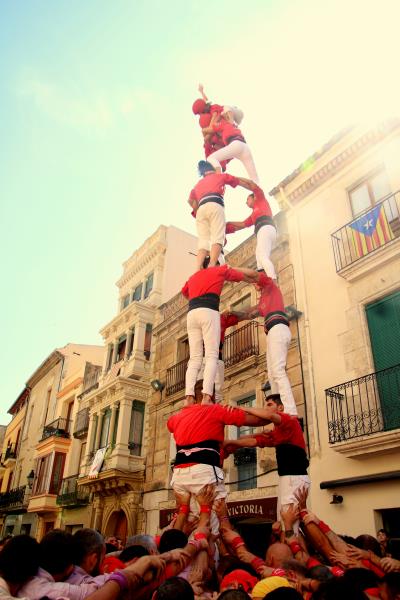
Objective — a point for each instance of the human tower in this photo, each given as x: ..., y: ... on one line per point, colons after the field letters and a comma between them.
x: 199, y: 427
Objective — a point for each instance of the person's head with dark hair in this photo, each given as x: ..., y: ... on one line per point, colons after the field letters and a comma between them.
x: 320, y: 573
x: 390, y: 586
x: 110, y: 548
x: 205, y: 167
x: 348, y: 539
x: 89, y: 550
x: 276, y: 399
x: 56, y: 554
x: 233, y: 595
x: 206, y: 262
x: 368, y: 542
x: 336, y: 589
x: 360, y: 579
x: 132, y: 552
x: 19, y: 561
x: 171, y: 539
x: 284, y: 593
x: 295, y: 568
x: 175, y: 587
x: 250, y: 200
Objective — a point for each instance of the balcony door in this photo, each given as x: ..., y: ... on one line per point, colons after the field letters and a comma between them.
x: 383, y: 319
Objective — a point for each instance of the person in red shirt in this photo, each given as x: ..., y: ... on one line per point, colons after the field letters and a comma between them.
x: 277, y: 330
x: 287, y: 439
x: 198, y: 431
x: 203, y: 289
x: 264, y: 228
x: 234, y: 144
x: 207, y: 202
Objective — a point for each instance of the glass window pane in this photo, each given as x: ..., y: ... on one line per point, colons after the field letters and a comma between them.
x: 104, y: 429
x: 137, y: 294
x: 380, y: 186
x: 149, y: 285
x: 360, y: 199
x: 136, y: 428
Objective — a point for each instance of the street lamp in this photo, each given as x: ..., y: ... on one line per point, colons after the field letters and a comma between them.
x: 30, y: 479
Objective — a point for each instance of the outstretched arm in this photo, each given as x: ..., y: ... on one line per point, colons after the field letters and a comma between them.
x: 233, y: 226
x: 201, y: 90
x: 247, y: 183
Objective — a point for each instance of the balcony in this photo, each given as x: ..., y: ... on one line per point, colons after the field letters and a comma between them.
x: 58, y: 428
x: 81, y: 423
x: 14, y: 500
x: 9, y: 455
x: 241, y: 344
x: 176, y: 377
x: 70, y: 495
x: 363, y: 414
x: 375, y: 228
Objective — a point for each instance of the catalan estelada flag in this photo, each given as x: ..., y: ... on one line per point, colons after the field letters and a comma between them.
x: 371, y: 231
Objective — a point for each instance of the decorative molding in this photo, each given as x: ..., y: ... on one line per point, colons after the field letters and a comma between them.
x: 369, y: 445
x: 336, y: 164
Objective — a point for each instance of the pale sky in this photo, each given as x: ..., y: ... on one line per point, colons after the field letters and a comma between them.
x: 98, y: 144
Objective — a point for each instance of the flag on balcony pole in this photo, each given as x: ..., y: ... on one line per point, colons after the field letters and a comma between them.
x: 370, y: 231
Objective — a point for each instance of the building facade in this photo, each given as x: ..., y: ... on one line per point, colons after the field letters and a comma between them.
x: 343, y: 216
x: 41, y: 428
x: 116, y: 410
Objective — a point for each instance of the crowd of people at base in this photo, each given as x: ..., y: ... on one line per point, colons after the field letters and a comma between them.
x: 187, y: 561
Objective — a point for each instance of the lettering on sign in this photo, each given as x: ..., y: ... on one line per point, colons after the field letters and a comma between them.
x: 257, y: 508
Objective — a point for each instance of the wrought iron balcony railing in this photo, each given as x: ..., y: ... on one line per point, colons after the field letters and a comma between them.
x: 13, y: 499
x: 241, y: 344
x: 372, y: 229
x: 59, y: 428
x: 176, y: 377
x: 81, y: 423
x: 71, y: 494
x: 238, y: 346
x: 364, y: 406
x: 10, y: 453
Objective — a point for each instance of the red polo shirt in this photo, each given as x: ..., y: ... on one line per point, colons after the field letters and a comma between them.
x: 212, y: 183
x: 227, y: 320
x: 271, y: 299
x: 210, y: 281
x: 197, y: 423
x: 227, y: 130
x: 287, y: 432
x: 261, y: 208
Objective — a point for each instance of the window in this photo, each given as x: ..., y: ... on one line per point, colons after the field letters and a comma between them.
x: 147, y: 340
x: 183, y: 349
x: 148, y: 285
x: 105, y: 427
x: 370, y: 191
x: 114, y: 433
x: 109, y: 356
x: 136, y: 428
x: 246, y: 458
x: 49, y: 472
x: 124, y: 302
x: 28, y: 421
x: 137, y: 294
x: 121, y: 348
x: 242, y: 304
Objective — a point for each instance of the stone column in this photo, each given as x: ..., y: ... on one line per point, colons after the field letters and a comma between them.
x: 125, y: 413
x: 98, y: 432
x: 138, y: 343
x: 114, y: 410
x: 89, y: 445
x: 128, y: 350
x: 108, y: 357
x: 98, y: 514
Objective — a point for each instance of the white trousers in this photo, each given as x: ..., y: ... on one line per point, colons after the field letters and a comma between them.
x: 203, y: 327
x: 287, y: 486
x: 219, y: 381
x: 192, y: 479
x: 266, y: 237
x: 278, y: 340
x: 210, y: 223
x: 236, y: 149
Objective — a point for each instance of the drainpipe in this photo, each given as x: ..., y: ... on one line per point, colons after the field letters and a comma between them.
x: 303, y: 290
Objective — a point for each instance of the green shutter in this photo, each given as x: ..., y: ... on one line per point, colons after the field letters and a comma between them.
x: 383, y: 319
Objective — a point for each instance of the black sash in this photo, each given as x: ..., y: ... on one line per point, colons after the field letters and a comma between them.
x: 205, y: 301
x: 209, y: 455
